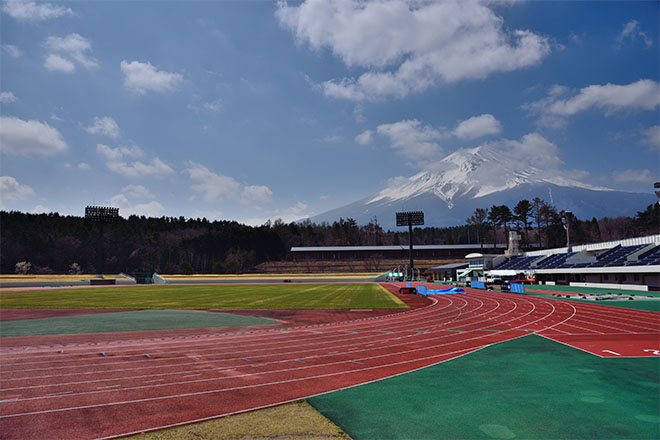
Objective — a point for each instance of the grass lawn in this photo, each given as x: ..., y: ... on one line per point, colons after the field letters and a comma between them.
x: 276, y: 296
x: 529, y: 388
x: 294, y: 421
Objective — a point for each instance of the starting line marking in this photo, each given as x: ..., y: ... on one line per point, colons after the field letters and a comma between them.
x: 613, y: 352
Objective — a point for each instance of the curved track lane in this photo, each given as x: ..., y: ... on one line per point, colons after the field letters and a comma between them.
x: 117, y: 388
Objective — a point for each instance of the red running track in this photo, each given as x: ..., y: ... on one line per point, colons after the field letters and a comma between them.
x: 117, y: 388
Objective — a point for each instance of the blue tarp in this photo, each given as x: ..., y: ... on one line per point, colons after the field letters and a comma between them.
x: 422, y: 290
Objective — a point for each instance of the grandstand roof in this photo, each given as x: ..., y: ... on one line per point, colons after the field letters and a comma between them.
x: 403, y: 247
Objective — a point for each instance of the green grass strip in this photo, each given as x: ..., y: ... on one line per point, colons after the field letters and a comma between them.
x: 527, y: 388
x: 285, y: 296
x: 127, y: 321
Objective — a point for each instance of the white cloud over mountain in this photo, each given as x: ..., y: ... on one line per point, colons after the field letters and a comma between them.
x: 407, y: 47
x: 24, y: 138
x: 412, y: 139
x: 478, y: 126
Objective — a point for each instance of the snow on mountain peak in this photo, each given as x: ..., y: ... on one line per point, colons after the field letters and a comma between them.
x: 475, y: 172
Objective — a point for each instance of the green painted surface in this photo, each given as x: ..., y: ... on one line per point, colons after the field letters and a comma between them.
x: 596, y: 290
x: 284, y: 296
x: 527, y: 388
x: 126, y: 321
x: 652, y: 305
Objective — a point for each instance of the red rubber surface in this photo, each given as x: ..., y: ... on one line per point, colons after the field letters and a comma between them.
x: 153, y: 383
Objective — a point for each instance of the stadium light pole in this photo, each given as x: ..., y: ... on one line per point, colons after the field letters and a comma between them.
x: 409, y: 219
x: 101, y: 215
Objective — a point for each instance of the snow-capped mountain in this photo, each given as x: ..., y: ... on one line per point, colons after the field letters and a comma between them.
x: 480, y: 177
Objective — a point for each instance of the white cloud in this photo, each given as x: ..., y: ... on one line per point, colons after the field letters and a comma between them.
x: 217, y: 188
x: 41, y: 209
x: 22, y: 10
x: 214, y: 106
x: 634, y: 176
x: 56, y: 63
x: 117, y: 154
x: 287, y: 215
x: 23, y: 138
x: 84, y: 166
x: 126, y: 208
x: 105, y: 126
x: 652, y: 138
x: 65, y: 51
x: 214, y: 187
x: 631, y: 31
x: 640, y: 95
x: 11, y: 50
x: 412, y: 139
x: 137, y: 191
x: 141, y: 78
x: 7, y: 98
x: 257, y: 193
x: 365, y: 137
x: 408, y: 47
x: 478, y: 126
x: 10, y: 189
x: 116, y: 162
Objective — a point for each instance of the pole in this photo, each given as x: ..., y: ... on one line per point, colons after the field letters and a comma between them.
x: 410, y: 237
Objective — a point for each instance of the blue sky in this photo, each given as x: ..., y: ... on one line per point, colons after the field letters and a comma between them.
x: 260, y: 110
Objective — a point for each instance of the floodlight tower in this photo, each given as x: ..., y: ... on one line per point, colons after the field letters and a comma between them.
x: 409, y: 219
x: 101, y: 215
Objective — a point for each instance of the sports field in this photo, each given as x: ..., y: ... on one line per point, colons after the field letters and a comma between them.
x: 485, y: 365
x: 205, y: 297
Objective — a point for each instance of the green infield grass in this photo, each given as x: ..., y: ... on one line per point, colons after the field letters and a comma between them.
x: 528, y: 388
x: 275, y: 296
x: 137, y: 320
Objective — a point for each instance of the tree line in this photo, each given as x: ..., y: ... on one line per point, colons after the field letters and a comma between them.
x: 52, y: 243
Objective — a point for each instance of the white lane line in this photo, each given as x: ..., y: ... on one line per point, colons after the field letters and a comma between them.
x: 334, y: 363
x: 613, y: 352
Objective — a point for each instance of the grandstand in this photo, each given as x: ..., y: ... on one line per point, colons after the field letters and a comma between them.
x: 632, y: 263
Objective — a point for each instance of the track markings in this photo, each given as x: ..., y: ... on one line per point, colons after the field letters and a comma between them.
x: 470, y: 318
x: 108, y: 386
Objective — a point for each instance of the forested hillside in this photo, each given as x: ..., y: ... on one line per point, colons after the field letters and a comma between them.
x: 52, y: 243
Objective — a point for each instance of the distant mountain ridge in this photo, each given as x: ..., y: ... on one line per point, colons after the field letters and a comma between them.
x: 479, y: 178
